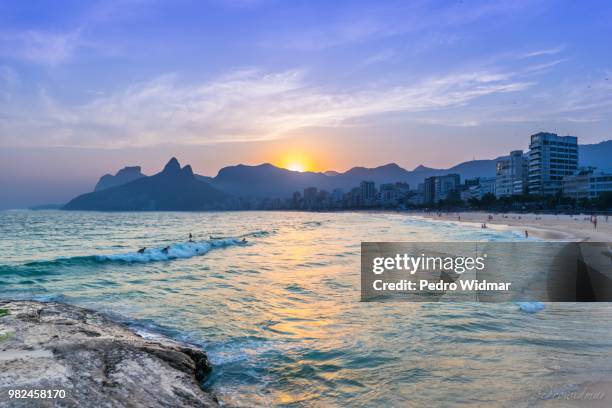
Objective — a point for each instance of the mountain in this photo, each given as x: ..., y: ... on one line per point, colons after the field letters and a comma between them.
x: 125, y: 175
x: 381, y: 174
x: 598, y: 155
x: 173, y: 189
x: 474, y: 168
x: 266, y: 180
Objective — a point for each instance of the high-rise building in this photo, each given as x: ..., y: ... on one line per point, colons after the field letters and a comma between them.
x: 337, y: 195
x: 368, y: 192
x: 392, y: 193
x: 551, y: 157
x: 429, y: 190
x: 310, y: 196
x: 478, y: 188
x: 296, y: 199
x: 441, y: 187
x: 509, y: 174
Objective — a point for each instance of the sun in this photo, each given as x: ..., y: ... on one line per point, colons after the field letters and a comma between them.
x: 296, y: 161
x: 295, y: 166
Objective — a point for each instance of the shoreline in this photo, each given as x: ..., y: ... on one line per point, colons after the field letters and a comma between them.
x: 543, y: 226
x: 93, y: 360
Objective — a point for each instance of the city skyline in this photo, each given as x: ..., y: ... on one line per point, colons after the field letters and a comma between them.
x: 96, y: 86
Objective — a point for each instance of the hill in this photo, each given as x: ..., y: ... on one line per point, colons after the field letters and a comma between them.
x: 173, y: 189
x: 125, y: 175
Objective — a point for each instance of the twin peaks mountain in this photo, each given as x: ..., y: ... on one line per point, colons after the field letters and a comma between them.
x: 174, y: 188
x: 179, y: 189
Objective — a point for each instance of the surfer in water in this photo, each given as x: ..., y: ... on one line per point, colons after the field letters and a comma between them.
x: 165, y: 250
x: 190, y: 237
x: 244, y: 241
x: 141, y: 250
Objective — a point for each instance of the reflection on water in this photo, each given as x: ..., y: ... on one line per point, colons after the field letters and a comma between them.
x: 281, y: 317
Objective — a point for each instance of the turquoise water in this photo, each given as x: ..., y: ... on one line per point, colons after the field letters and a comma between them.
x: 280, y: 314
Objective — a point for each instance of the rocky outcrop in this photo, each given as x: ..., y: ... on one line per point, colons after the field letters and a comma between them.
x: 125, y: 175
x: 172, y: 189
x: 97, y: 362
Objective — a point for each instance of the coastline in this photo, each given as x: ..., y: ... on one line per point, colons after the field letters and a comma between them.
x: 93, y: 360
x: 544, y: 226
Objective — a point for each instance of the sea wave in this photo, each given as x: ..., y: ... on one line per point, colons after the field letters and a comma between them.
x: 180, y: 250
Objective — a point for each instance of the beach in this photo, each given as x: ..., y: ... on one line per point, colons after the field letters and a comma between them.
x: 544, y: 226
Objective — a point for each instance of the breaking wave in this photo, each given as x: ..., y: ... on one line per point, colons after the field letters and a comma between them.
x: 182, y: 250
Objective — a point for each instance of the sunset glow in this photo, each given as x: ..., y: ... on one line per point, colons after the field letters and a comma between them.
x: 296, y: 162
x: 296, y: 167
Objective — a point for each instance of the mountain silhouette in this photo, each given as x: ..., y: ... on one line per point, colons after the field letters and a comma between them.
x: 266, y: 180
x: 177, y: 188
x: 596, y: 155
x: 173, y: 189
x: 125, y: 175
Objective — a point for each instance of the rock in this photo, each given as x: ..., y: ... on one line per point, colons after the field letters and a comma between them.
x: 123, y: 176
x: 99, y: 363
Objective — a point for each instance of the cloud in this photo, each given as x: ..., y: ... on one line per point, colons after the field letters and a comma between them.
x: 48, y: 48
x: 382, y: 56
x: 9, y: 80
x: 543, y: 52
x: 245, y: 105
x: 358, y: 24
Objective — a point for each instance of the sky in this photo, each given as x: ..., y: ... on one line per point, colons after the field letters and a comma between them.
x: 89, y: 87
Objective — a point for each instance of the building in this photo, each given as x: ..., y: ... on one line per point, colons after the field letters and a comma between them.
x: 310, y: 197
x: 354, y: 197
x: 429, y: 190
x: 296, y: 199
x: 510, y: 175
x: 478, y: 188
x: 368, y: 192
x: 416, y: 197
x: 487, y: 185
x: 393, y: 193
x: 441, y: 187
x: 551, y: 157
x: 587, y: 183
x: 337, y: 195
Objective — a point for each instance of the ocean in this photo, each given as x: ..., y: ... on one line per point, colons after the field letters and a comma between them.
x: 280, y: 314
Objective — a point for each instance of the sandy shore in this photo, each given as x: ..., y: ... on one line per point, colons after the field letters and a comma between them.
x: 545, y: 226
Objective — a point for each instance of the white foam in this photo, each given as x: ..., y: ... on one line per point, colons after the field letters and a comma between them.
x: 182, y: 250
x: 530, y: 307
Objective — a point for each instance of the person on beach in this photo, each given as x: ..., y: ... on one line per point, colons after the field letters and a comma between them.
x: 526, y: 234
x: 141, y: 250
x: 595, y: 223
